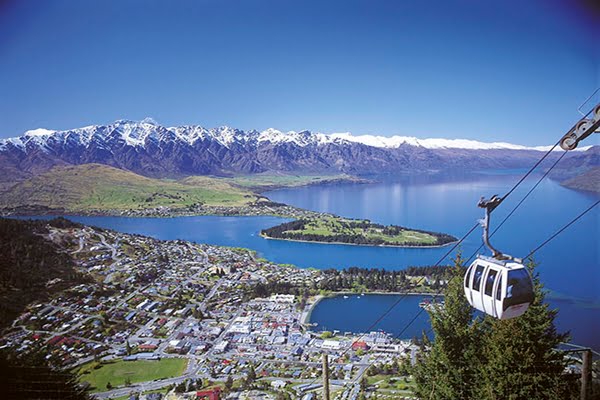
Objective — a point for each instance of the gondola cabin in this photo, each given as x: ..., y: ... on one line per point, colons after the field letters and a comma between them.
x: 502, y: 289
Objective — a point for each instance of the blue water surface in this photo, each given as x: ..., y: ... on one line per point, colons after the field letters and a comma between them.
x: 569, y: 265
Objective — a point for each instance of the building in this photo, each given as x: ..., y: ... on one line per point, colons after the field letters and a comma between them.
x: 221, y: 346
x: 278, y: 384
x: 360, y: 345
x: 330, y: 345
x: 210, y: 394
x: 282, y: 298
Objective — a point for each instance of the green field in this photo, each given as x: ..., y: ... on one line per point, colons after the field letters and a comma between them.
x: 117, y: 372
x: 388, y: 383
x: 262, y: 182
x: 339, y: 226
x: 362, y: 232
x: 100, y: 187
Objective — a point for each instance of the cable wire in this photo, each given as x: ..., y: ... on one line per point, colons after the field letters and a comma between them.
x: 518, y: 204
x: 390, y: 309
x: 555, y: 234
x: 530, y: 171
x: 505, y: 218
x: 515, y: 186
x: 529, y: 255
x: 402, y: 296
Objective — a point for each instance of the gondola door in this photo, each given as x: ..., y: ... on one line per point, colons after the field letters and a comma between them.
x: 488, y: 291
x: 478, y: 275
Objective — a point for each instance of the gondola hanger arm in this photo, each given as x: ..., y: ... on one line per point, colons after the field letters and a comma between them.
x: 489, y: 206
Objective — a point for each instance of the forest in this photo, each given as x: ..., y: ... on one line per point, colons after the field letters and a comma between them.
x: 28, y: 263
x: 422, y: 279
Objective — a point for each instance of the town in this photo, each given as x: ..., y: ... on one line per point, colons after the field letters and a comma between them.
x: 197, y: 320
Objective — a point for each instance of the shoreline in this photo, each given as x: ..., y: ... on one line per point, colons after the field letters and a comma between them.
x: 307, y: 313
x: 62, y: 213
x: 364, y: 245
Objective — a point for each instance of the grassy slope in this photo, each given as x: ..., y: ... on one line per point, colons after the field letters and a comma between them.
x: 262, y: 182
x: 341, y: 230
x: 137, y: 371
x: 95, y: 186
x: 332, y: 226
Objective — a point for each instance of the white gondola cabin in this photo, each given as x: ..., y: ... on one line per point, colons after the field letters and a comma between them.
x: 502, y: 289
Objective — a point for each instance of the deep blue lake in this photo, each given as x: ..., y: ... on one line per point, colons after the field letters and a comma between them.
x: 569, y: 265
x: 358, y: 313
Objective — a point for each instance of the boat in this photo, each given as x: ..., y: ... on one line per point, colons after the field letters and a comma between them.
x: 427, y: 305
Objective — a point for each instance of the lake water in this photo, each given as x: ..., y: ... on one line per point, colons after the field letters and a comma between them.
x: 358, y: 313
x: 569, y: 265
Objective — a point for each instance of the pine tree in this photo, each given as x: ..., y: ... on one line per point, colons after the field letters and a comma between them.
x: 492, y: 359
x: 521, y: 360
x: 448, y: 370
x: 30, y: 377
x: 229, y: 383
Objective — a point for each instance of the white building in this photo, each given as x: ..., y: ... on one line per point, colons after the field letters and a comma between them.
x: 282, y: 298
x: 221, y: 346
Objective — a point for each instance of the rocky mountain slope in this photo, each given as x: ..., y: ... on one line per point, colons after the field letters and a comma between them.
x: 152, y: 150
x: 588, y: 181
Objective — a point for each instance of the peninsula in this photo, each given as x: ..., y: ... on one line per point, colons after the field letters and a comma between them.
x: 95, y: 189
x: 333, y: 229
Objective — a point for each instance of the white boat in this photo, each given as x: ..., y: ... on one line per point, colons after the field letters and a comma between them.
x: 427, y: 305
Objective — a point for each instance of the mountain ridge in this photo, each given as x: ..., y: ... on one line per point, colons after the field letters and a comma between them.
x: 227, y: 135
x: 152, y: 150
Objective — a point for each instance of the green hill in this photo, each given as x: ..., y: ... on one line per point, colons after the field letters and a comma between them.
x: 100, y: 187
x: 354, y: 231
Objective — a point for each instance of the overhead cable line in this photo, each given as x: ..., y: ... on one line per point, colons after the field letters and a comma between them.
x: 403, y: 296
x: 519, y: 204
x: 528, y: 255
x: 391, y: 308
x: 515, y: 186
x: 555, y: 234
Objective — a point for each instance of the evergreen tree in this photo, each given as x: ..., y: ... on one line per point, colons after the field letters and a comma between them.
x: 30, y: 377
x: 487, y: 358
x: 251, y: 376
x: 521, y: 360
x: 449, y: 369
x: 229, y: 383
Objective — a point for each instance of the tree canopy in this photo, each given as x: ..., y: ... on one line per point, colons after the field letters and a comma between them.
x: 487, y: 358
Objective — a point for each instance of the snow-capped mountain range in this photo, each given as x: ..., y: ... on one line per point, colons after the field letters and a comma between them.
x: 138, y: 133
x: 150, y: 149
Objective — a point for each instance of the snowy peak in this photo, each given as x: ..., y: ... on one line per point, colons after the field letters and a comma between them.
x: 397, y: 141
x: 39, y: 132
x: 138, y: 134
x: 150, y: 149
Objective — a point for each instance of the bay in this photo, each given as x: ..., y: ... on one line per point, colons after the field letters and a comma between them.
x: 569, y: 266
x: 406, y: 320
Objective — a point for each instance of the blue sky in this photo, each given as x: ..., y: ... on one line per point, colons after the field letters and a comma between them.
x: 515, y: 71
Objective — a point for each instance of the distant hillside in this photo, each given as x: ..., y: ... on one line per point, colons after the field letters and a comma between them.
x: 589, y: 181
x: 31, y: 267
x: 577, y: 163
x: 100, y: 187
